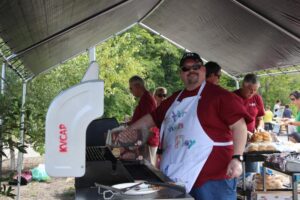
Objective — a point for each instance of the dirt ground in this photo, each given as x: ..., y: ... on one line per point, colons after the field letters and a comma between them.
x: 55, y: 188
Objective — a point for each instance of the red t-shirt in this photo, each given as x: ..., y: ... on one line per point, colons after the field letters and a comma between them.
x: 217, y: 110
x: 255, y: 108
x: 145, y: 106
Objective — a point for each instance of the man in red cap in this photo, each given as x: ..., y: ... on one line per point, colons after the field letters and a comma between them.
x: 202, y: 132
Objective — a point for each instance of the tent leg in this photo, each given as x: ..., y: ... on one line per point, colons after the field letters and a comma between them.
x: 2, y: 93
x: 237, y: 85
x: 3, y: 77
x: 92, y: 54
x: 20, y: 154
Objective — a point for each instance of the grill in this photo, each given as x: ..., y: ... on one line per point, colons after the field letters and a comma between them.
x: 95, y: 153
x: 142, y: 172
x: 103, y: 168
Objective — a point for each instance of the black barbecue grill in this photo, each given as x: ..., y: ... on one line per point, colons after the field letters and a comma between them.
x: 104, y: 168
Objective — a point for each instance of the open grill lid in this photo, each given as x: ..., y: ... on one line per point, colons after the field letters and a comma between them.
x: 67, y: 120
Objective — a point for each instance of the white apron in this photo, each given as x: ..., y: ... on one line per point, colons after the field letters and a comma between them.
x: 185, y: 144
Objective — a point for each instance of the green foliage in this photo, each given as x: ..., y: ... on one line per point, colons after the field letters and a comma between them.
x: 279, y: 87
x: 7, y: 191
x: 10, y: 104
x: 227, y: 83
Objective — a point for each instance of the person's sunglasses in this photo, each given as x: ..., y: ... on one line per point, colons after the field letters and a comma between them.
x: 191, y: 67
x: 292, y: 99
x: 161, y: 95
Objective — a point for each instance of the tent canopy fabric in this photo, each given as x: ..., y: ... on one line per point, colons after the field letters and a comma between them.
x: 243, y: 36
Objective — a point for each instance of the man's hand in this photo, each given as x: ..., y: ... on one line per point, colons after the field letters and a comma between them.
x: 250, y: 134
x: 234, y: 169
x: 260, y: 129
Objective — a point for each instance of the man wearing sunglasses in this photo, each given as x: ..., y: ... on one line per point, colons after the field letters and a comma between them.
x: 213, y: 72
x: 202, y: 133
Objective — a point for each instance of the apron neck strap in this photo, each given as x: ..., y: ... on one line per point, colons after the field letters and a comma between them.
x: 199, y: 91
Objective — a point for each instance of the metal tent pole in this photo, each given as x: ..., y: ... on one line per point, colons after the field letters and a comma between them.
x: 92, y: 54
x: 20, y: 154
x: 267, y: 20
x: 1, y: 121
x: 3, y: 77
x: 237, y: 85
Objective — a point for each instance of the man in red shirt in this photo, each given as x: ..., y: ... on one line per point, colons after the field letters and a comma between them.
x: 252, y: 101
x: 145, y: 106
x: 203, y: 134
x: 254, y: 106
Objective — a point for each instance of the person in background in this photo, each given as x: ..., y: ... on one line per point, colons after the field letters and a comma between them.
x: 268, y: 119
x: 213, y: 72
x: 160, y: 94
x: 295, y: 100
x: 253, y: 103
x: 145, y: 106
x: 287, y: 113
x: 203, y: 139
x: 276, y: 108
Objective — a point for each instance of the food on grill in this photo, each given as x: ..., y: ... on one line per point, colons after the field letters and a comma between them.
x: 116, y: 152
x: 261, y: 137
x: 129, y: 153
x: 261, y: 147
x: 125, y: 137
x: 256, y: 138
x: 270, y: 147
x: 272, y: 181
x: 253, y: 147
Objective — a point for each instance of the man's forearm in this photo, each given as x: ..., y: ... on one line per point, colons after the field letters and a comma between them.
x: 144, y: 122
x: 239, y: 131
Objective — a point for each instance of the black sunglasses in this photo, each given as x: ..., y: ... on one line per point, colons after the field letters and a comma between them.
x: 293, y: 99
x: 161, y: 95
x: 191, y: 67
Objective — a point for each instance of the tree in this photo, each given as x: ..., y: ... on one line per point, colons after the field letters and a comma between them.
x: 279, y: 87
